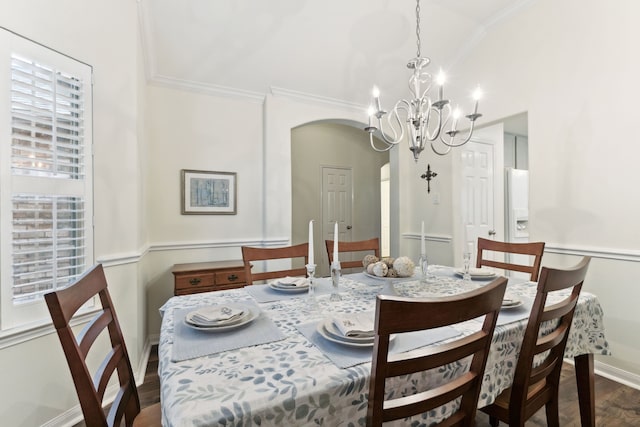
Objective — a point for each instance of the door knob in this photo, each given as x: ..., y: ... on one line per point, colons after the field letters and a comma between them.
x: 492, y: 232
x: 348, y: 227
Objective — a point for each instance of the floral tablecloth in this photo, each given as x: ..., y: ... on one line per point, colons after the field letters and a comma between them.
x: 290, y: 382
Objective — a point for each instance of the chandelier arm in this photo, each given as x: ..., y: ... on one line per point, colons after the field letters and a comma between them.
x: 439, y: 153
x: 438, y: 129
x: 379, y: 150
x: 453, y: 137
x: 395, y: 115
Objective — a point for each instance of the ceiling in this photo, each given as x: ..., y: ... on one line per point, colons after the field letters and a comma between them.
x: 336, y: 49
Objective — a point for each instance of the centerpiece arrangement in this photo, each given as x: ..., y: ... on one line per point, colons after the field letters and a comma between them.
x: 388, y: 267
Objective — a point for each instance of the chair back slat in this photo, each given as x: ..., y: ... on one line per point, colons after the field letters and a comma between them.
x: 397, y: 315
x: 250, y: 254
x: 360, y: 246
x: 535, y: 249
x: 90, y: 388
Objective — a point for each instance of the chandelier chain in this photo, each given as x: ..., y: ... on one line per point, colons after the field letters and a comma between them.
x: 418, y: 27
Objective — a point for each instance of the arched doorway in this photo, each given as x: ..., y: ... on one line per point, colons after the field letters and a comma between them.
x: 319, y: 145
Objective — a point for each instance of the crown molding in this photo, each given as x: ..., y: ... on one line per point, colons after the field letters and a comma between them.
x: 208, y: 89
x: 316, y: 99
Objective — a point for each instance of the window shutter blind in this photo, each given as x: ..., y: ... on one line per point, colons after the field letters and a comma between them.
x: 47, y: 126
x: 49, y: 231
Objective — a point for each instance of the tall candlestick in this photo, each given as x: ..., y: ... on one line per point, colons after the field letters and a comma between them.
x: 311, y: 243
x: 335, y: 242
x: 422, y: 244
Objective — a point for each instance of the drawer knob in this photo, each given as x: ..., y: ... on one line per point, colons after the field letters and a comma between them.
x: 232, y: 277
x: 195, y: 281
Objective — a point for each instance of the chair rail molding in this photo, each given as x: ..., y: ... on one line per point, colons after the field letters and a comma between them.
x: 594, y: 251
x: 439, y: 238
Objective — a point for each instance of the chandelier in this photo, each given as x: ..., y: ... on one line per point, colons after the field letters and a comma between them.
x: 424, y: 118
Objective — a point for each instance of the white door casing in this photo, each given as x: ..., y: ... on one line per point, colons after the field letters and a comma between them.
x: 337, y: 205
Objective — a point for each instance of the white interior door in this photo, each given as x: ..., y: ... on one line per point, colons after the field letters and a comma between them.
x: 477, y: 194
x: 481, y: 189
x: 336, y: 206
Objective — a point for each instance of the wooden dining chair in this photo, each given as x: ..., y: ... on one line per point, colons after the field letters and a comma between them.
x: 250, y: 254
x: 537, y: 375
x: 91, y: 388
x: 399, y: 314
x: 371, y: 245
x: 535, y: 249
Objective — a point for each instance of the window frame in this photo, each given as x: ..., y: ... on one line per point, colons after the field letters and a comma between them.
x: 34, y: 314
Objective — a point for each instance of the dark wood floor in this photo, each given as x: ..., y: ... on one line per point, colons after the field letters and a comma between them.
x: 616, y: 404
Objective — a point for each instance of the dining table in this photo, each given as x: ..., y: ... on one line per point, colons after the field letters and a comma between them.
x: 279, y: 368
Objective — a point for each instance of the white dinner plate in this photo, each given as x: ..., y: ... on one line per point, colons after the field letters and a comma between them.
x: 510, y: 303
x: 251, y: 313
x: 288, y: 288
x: 484, y: 275
x: 341, y: 340
x: 512, y: 306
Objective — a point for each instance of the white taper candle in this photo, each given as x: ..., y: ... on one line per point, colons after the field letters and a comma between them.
x: 335, y: 242
x: 422, y: 245
x: 311, y: 243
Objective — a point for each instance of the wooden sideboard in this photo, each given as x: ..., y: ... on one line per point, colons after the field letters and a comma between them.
x: 208, y: 276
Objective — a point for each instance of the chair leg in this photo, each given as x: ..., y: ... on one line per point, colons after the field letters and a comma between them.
x: 551, y: 408
x: 494, y: 421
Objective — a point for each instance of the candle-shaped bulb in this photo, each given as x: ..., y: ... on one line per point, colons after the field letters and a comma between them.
x: 376, y: 97
x: 440, y: 79
x: 370, y: 112
x: 311, y: 260
x: 456, y: 115
x: 477, y: 94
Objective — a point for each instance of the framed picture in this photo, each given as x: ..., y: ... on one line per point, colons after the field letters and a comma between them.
x: 208, y: 193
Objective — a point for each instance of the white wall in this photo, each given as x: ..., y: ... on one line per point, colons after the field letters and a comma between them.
x: 188, y: 130
x: 36, y: 384
x: 573, y: 66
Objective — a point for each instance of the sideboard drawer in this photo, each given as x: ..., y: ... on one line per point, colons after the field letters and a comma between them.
x: 195, y: 282
x: 231, y: 276
x: 208, y: 276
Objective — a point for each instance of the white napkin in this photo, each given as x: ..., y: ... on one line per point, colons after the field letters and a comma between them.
x: 358, y: 325
x: 215, y: 314
x: 481, y: 272
x: 293, y: 282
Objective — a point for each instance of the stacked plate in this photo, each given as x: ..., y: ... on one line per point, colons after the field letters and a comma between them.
x: 290, y: 284
x: 511, y: 302
x: 221, y: 317
x: 477, y: 273
x: 328, y: 330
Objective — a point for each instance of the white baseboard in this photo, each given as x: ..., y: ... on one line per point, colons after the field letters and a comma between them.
x: 614, y: 374
x: 73, y: 415
x: 618, y: 375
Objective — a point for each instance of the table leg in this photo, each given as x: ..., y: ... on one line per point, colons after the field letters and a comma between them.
x: 585, y: 378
